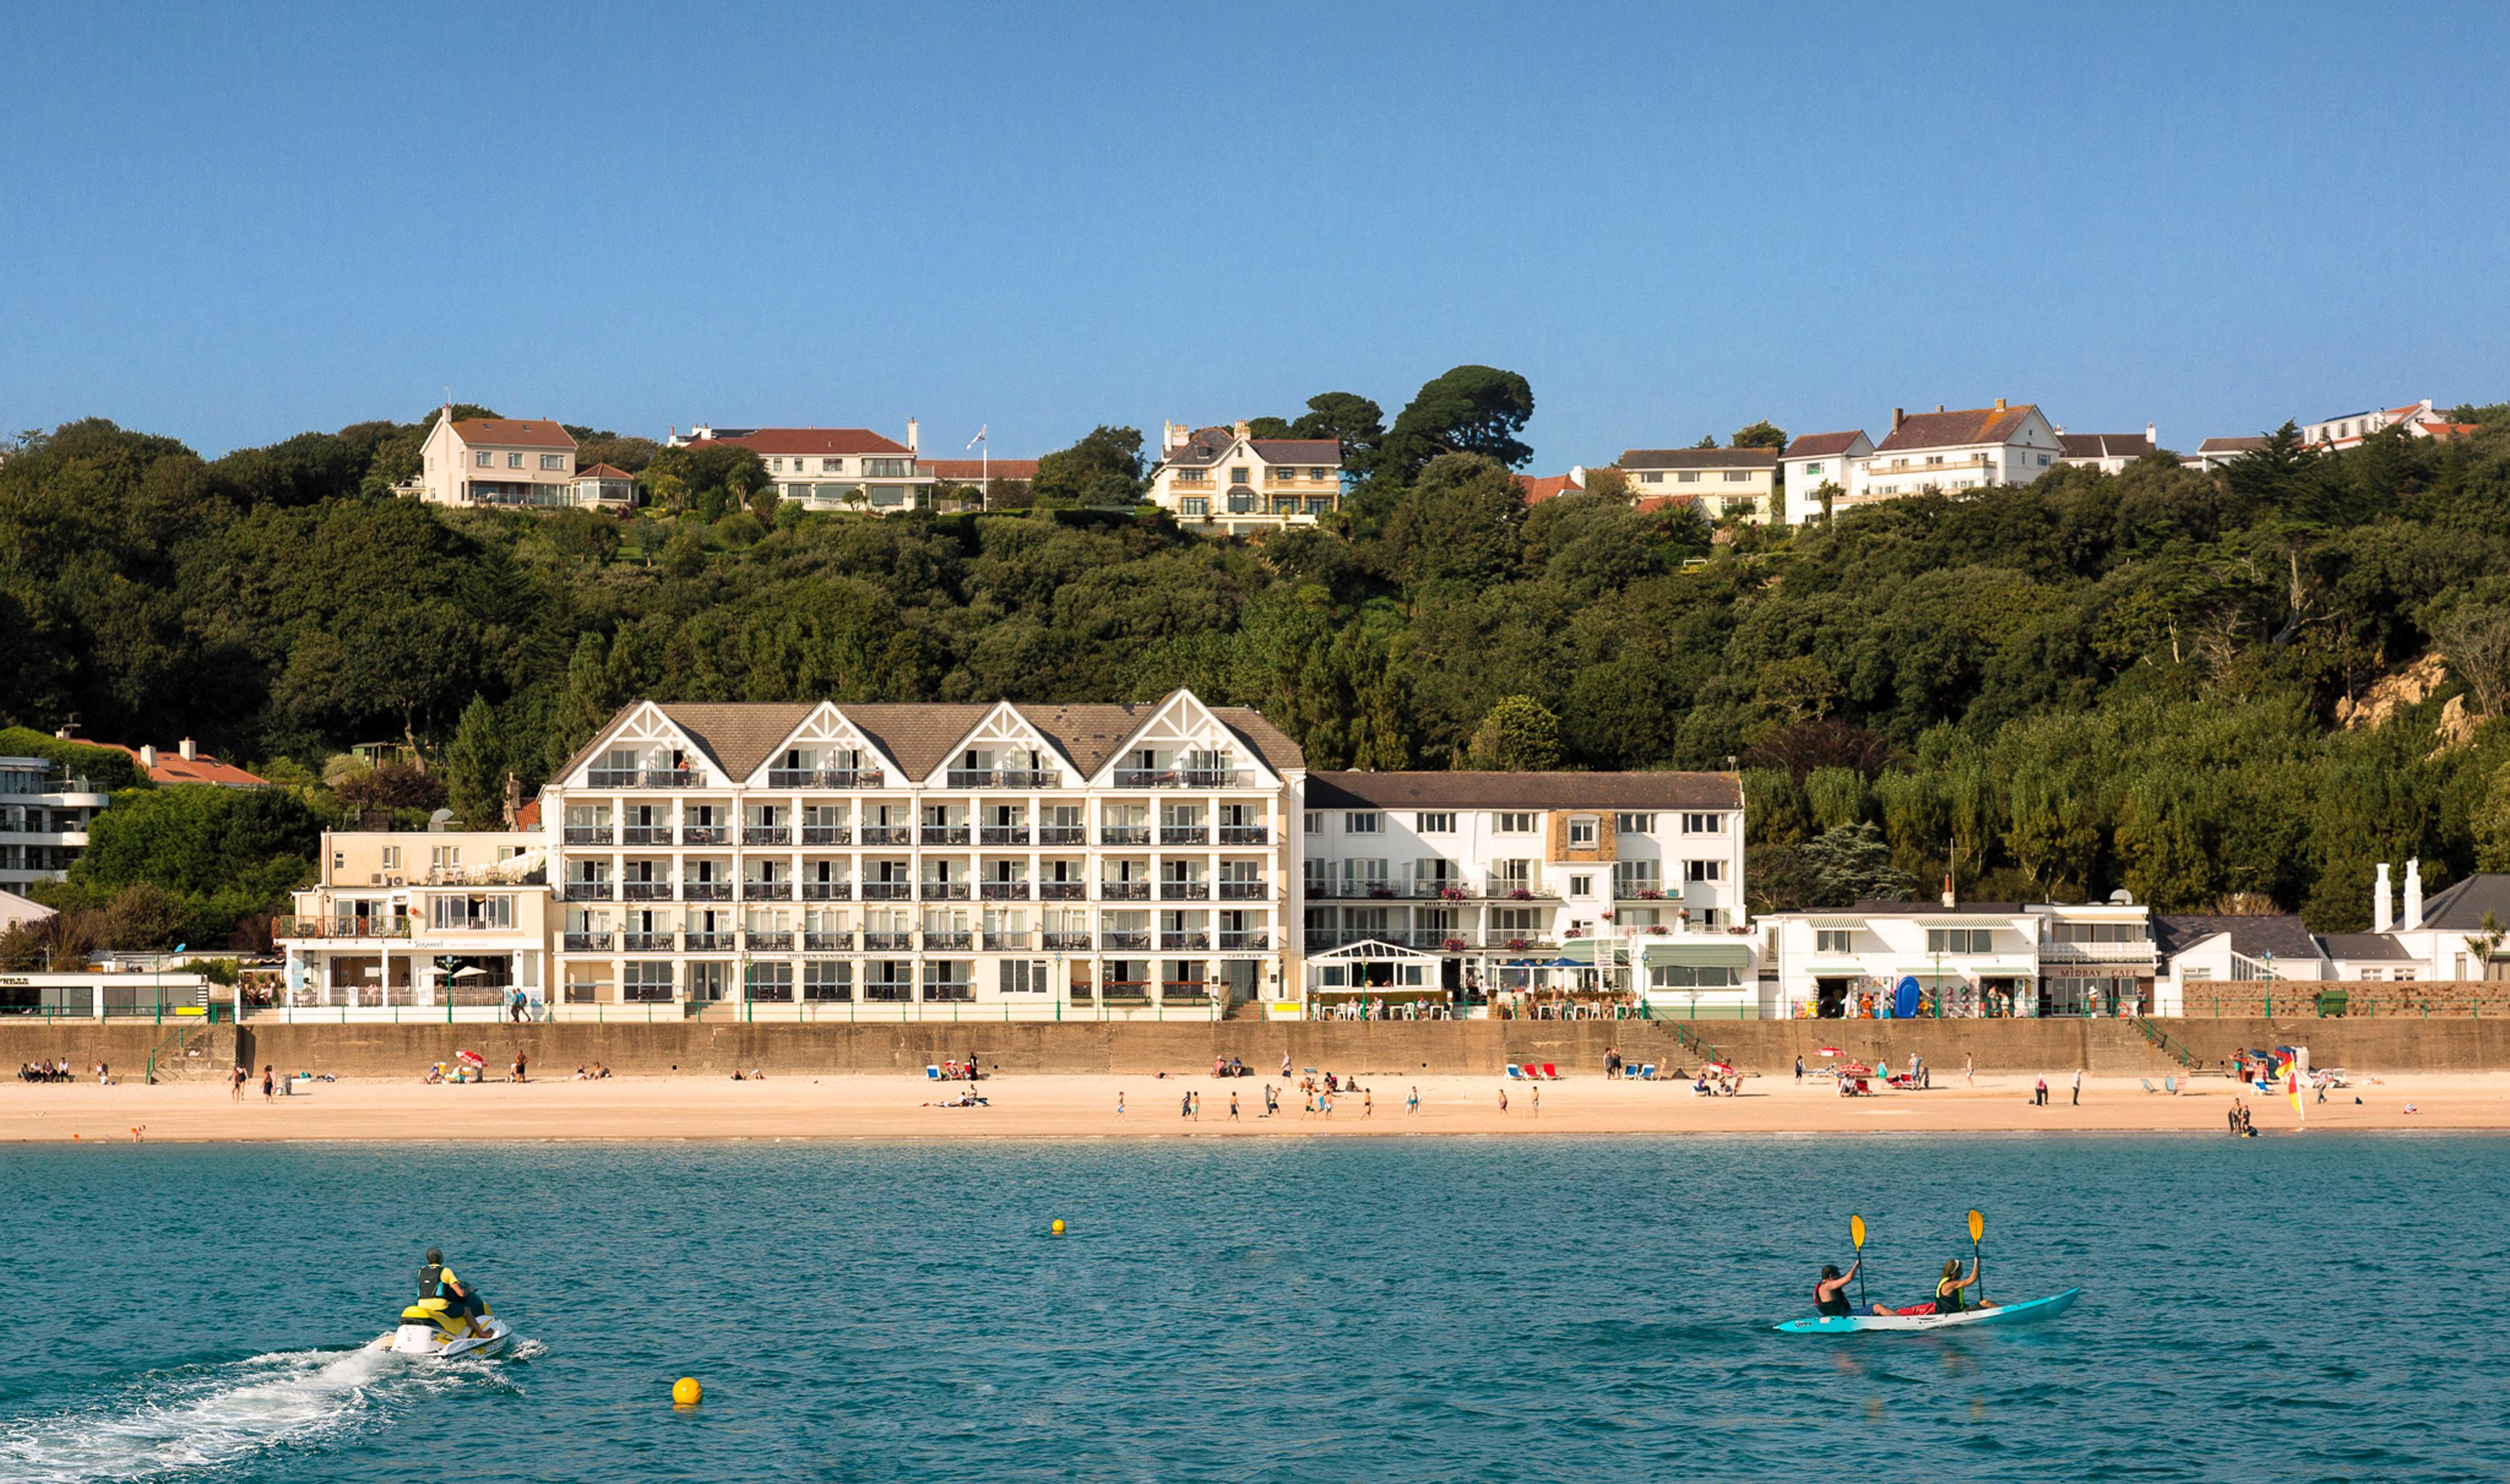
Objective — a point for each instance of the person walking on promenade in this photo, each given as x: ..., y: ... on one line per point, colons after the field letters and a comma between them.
x: 2078, y: 1087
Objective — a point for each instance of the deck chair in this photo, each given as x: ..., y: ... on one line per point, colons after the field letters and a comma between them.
x: 1647, y: 1074
x: 932, y: 1071
x: 2148, y: 1084
x: 1514, y: 1073
x: 1550, y: 1073
x: 2170, y: 1084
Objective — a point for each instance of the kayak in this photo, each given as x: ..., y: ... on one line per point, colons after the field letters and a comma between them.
x: 1989, y: 1313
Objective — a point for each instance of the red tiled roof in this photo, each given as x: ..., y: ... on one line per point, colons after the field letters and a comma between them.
x: 200, y: 767
x: 809, y: 441
x: 1644, y: 503
x: 512, y: 432
x: 970, y: 471
x: 2443, y: 432
x: 1956, y: 430
x: 529, y: 815
x: 1816, y: 445
x: 603, y: 472
x: 1540, y: 487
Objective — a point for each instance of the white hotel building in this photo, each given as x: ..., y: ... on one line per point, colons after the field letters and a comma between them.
x: 1038, y: 861
x: 1968, y: 958
x: 44, y: 818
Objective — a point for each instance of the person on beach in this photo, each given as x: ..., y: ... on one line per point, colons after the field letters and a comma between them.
x: 1969, y: 1068
x: 2040, y: 1093
x: 1185, y: 1106
x: 1502, y: 1100
x: 1119, y: 1105
x: 1412, y: 1104
x: 1948, y: 1288
x: 1232, y: 1107
x: 2078, y: 1087
x: 269, y: 1083
x: 235, y: 1086
x: 1367, y: 1103
x: 1830, y: 1292
x: 1285, y: 1066
x: 1538, y: 1102
x: 1800, y: 1069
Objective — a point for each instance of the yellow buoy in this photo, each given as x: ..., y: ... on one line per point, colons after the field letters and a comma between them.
x: 685, y: 1392
x: 1058, y: 1226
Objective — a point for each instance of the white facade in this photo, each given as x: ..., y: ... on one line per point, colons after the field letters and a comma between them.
x: 2002, y: 959
x: 1718, y: 482
x: 832, y: 469
x: 1814, y: 460
x: 2348, y: 430
x: 1223, y: 481
x: 44, y: 818
x: 2109, y: 452
x: 495, y: 461
x: 398, y: 920
x: 1951, y: 452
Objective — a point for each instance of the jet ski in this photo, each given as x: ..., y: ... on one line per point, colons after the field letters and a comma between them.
x: 430, y: 1328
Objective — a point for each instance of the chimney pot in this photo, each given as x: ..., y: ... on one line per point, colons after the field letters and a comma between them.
x: 1939, y: 407
x: 1999, y: 405
x: 191, y: 751
x: 1240, y: 430
x: 1897, y: 418
x: 147, y: 757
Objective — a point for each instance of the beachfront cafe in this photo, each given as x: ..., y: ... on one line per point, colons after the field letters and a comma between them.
x: 1376, y: 981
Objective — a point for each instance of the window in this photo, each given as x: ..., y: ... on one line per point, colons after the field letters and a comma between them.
x: 554, y: 461
x: 1316, y: 822
x: 1632, y: 877
x: 443, y: 857
x: 1833, y: 940
x: 886, y: 469
x: 1688, y: 477
x: 1581, y: 832
x: 766, y: 980
x: 1581, y: 885
x: 1634, y: 824
x: 828, y: 979
x: 1934, y: 458
x: 485, y: 460
x: 1703, y: 870
x: 1237, y: 476
x: 1359, y: 824
x: 514, y: 461
x: 1023, y: 976
x: 1680, y: 976
x: 833, y: 466
x: 1738, y: 476
x: 2043, y: 461
x: 1703, y: 824
x: 1651, y: 478
x: 1194, y: 506
x: 646, y: 981
x: 2192, y: 974
x: 1515, y: 823
x: 1813, y: 471
x: 1433, y: 824
x: 1959, y: 940
x: 391, y: 857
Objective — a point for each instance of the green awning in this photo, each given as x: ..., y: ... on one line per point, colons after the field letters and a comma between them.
x: 1699, y: 955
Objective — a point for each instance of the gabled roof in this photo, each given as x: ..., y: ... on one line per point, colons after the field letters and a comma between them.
x: 807, y: 440
x: 1524, y: 790
x: 1208, y: 445
x: 604, y: 472
x: 2251, y: 936
x: 2460, y: 908
x: 1818, y: 445
x: 2364, y: 947
x: 2104, y: 445
x: 200, y: 767
x: 514, y: 433
x: 737, y: 735
x: 1700, y: 458
x: 970, y: 471
x: 2232, y: 445
x: 1956, y: 430
x: 1537, y: 488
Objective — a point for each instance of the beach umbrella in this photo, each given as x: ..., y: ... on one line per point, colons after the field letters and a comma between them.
x: 470, y: 1059
x: 1854, y: 1069
x: 1830, y: 1050
x: 1717, y: 1067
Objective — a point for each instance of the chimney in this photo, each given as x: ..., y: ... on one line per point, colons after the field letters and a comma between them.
x: 514, y: 786
x: 2414, y: 894
x: 1171, y: 436
x: 1939, y: 407
x: 147, y: 757
x: 1897, y: 418
x: 2151, y: 437
x: 2382, y: 903
x: 910, y: 434
x: 1999, y: 405
x: 1239, y: 429
x: 1948, y: 891
x: 190, y: 750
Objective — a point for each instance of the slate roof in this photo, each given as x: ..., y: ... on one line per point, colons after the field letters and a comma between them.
x: 1956, y: 430
x: 2460, y: 908
x: 2104, y: 445
x: 2232, y: 445
x: 1208, y: 445
x: 2251, y: 936
x: 1818, y: 445
x: 1926, y: 908
x: 1524, y: 790
x: 806, y: 440
x: 1700, y: 458
x: 2363, y: 947
x: 514, y: 433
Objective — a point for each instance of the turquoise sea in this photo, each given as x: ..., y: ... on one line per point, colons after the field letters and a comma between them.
x: 2285, y: 1307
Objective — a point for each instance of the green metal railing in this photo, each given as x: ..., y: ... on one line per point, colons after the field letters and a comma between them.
x: 2162, y: 1040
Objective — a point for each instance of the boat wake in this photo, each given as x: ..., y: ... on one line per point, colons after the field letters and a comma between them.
x: 211, y: 1415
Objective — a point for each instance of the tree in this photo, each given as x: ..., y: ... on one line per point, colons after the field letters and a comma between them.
x: 1706, y: 440
x: 1849, y: 864
x: 1761, y: 434
x: 1349, y: 419
x: 391, y: 785
x: 1519, y: 734
x: 474, y: 768
x: 1103, y: 469
x: 1469, y: 409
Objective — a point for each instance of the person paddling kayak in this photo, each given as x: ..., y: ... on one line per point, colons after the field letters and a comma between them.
x: 1948, y: 1288
x: 1830, y: 1294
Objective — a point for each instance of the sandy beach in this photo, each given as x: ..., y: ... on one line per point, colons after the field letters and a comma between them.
x: 1067, y: 1106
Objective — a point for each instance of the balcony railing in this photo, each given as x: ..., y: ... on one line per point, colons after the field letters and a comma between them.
x: 969, y: 778
x: 646, y: 834
x: 1185, y: 890
x: 1639, y: 889
x: 771, y: 941
x: 705, y: 834
x: 1179, y: 778
x: 889, y: 891
x: 1063, y: 834
x: 342, y: 926
x: 827, y: 834
x: 1067, y: 942
x: 1241, y: 942
x: 1117, y: 942
x: 1124, y: 834
x: 828, y: 942
x: 645, y: 891
x: 1062, y: 890
x: 1028, y: 777
x: 1183, y: 834
x: 588, y: 834
x: 1005, y: 891
x: 827, y: 891
x: 766, y: 834
x: 949, y: 991
x: 1126, y: 991
x: 706, y: 891
x: 1245, y: 891
x: 710, y: 943
x: 584, y: 891
x: 1183, y: 992
x: 587, y: 943
x: 645, y: 942
x: 612, y: 778
x: 1245, y: 834
x: 1003, y: 835
x: 1008, y: 938
x: 888, y: 834
x: 2138, y: 951
x: 824, y: 777
x: 1124, y: 890
x: 945, y: 891
x: 945, y: 834
x: 1172, y: 941
x: 767, y: 891
x: 1518, y: 891
x: 938, y: 938
x: 886, y: 942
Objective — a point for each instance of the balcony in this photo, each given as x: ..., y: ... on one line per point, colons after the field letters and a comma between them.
x: 771, y: 941
x: 945, y: 891
x: 1179, y: 778
x: 1183, y: 992
x: 1214, y: 777
x: 969, y: 778
x: 587, y: 943
x: 827, y: 834
x: 1128, y: 991
x: 584, y: 891
x: 1062, y: 890
x: 710, y: 943
x: 1639, y: 889
x: 1245, y: 891
x: 1174, y: 941
x: 1028, y: 777
x: 342, y: 926
x: 1117, y: 942
x: 1063, y: 834
x: 766, y: 834
x: 1005, y: 891
x: 645, y: 942
x: 1510, y: 890
x: 645, y: 891
x: 828, y: 942
x: 767, y: 891
x: 1003, y: 835
x: 1184, y: 834
x: 706, y: 891
x: 1124, y: 834
x: 1124, y: 890
x: 949, y: 991
x: 646, y: 834
x: 945, y: 834
x: 671, y: 777
x: 705, y: 834
x: 1067, y: 942
x: 1016, y: 938
x: 827, y: 891
x: 938, y: 939
x: 888, y: 834
x: 1244, y: 942
x: 889, y: 891
x: 1245, y: 834
x: 1185, y: 890
x: 612, y: 778
x: 824, y: 777
x: 588, y: 834
x: 886, y: 942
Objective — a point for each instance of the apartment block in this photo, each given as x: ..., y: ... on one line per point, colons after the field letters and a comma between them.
x: 1718, y: 482
x: 43, y: 815
x: 420, y: 918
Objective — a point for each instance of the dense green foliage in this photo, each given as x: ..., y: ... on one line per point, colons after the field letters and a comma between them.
x: 2090, y: 682
x: 189, y: 863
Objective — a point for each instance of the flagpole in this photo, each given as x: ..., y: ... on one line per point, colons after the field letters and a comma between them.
x: 984, y: 468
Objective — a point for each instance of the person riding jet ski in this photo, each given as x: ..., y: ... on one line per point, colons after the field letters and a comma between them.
x: 436, y: 1282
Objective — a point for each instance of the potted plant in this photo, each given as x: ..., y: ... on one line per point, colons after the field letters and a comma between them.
x: 1453, y: 945
x: 1451, y: 894
x: 1517, y: 945
x: 1381, y: 894
x: 1651, y: 893
x: 1519, y: 894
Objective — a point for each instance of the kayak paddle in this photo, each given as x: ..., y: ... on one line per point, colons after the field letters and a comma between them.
x: 1857, y: 1240
x: 1977, y: 1231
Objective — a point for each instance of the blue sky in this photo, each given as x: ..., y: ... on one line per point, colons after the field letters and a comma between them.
x: 232, y: 227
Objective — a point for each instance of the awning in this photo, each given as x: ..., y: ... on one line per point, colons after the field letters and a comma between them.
x: 1697, y: 955
x: 1929, y: 970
